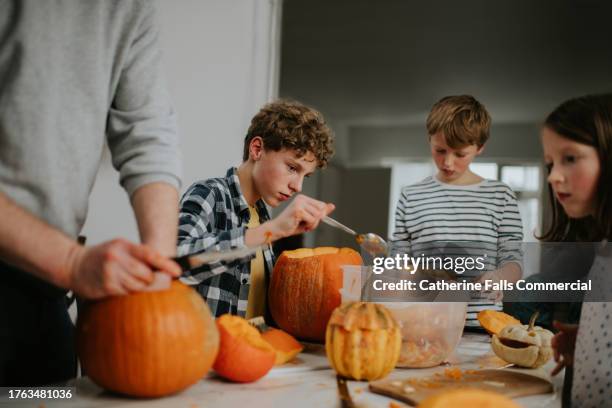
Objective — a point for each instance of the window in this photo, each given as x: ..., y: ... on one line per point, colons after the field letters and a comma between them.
x: 523, y: 179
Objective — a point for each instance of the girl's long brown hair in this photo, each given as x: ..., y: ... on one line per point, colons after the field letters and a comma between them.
x: 586, y: 120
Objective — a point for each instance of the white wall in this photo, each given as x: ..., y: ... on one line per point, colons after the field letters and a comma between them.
x: 221, y: 62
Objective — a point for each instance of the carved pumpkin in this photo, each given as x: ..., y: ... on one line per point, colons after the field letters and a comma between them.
x: 285, y: 345
x: 525, y: 346
x: 468, y: 397
x: 244, y: 356
x: 362, y: 341
x: 147, y: 344
x: 305, y: 289
x: 494, y: 321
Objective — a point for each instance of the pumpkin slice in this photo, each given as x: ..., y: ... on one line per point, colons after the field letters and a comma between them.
x: 244, y: 356
x: 285, y: 345
x: 494, y: 321
x: 468, y: 397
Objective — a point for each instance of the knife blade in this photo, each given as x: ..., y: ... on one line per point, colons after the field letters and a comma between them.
x: 188, y: 262
x: 346, y: 401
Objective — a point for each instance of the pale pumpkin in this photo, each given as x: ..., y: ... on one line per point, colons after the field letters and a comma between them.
x: 147, y: 344
x: 305, y: 289
x: 526, y: 346
x: 468, y: 398
x: 362, y: 341
x: 494, y: 321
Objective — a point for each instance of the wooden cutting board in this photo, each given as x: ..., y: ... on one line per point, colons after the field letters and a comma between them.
x: 510, y: 382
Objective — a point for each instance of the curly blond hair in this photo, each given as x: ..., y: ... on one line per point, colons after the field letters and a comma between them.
x: 291, y: 125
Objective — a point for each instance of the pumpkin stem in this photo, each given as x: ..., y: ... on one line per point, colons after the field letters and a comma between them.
x: 532, y: 320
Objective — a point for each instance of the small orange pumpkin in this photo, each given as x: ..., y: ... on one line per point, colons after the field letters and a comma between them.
x: 244, y: 356
x: 147, y: 344
x: 363, y: 341
x: 305, y: 289
x: 494, y: 321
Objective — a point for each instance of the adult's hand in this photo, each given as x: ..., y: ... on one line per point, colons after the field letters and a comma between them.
x: 118, y: 267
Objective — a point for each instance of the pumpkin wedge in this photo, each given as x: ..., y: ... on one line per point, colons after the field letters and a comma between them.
x: 494, y: 321
x: 244, y: 356
x: 285, y: 345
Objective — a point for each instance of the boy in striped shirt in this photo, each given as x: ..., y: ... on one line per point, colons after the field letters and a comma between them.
x: 457, y: 208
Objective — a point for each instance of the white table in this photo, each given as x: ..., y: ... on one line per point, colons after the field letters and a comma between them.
x: 310, y: 384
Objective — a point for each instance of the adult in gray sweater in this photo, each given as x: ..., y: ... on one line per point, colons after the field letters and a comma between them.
x: 73, y: 73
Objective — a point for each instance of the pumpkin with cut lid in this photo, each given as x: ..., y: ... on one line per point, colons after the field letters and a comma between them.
x: 362, y: 341
x: 305, y: 289
x: 147, y: 344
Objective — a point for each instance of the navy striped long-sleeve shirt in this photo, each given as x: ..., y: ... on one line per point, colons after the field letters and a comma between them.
x: 484, y: 216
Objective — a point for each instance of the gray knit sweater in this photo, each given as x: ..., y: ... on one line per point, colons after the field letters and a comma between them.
x: 73, y: 73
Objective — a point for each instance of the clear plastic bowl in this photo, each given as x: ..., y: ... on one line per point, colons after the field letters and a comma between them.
x: 430, y: 331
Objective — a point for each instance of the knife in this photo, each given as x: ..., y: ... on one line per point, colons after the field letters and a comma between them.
x: 188, y: 262
x: 346, y: 401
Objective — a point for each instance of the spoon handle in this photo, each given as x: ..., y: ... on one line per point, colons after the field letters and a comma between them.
x: 336, y: 224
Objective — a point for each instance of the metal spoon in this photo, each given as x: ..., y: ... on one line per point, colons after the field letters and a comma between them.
x: 370, y: 242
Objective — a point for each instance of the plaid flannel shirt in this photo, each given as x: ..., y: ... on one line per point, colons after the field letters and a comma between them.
x: 214, y: 215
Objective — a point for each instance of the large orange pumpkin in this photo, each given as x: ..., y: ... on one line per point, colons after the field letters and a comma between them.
x: 147, y: 344
x: 362, y: 341
x: 305, y: 289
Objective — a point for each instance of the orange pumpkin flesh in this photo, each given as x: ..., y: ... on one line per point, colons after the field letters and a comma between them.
x: 285, y: 345
x: 147, y: 344
x: 494, y: 321
x: 305, y: 289
x: 468, y: 397
x: 244, y: 356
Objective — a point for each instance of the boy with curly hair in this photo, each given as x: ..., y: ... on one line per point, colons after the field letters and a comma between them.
x: 286, y: 142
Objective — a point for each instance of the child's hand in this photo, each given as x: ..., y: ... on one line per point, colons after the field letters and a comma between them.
x: 302, y: 215
x: 491, y: 294
x: 563, y: 344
